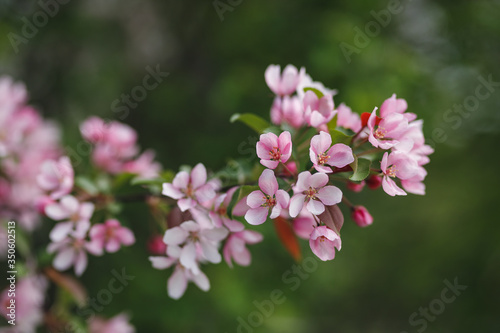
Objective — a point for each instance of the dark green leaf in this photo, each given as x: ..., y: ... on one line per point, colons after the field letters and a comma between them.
x: 339, y: 137
x: 251, y: 120
x: 361, y: 168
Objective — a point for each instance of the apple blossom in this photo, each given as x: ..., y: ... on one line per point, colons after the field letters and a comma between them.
x: 219, y: 215
x: 312, y: 191
x: 283, y: 83
x: 69, y: 208
x: 339, y: 155
x: 189, y: 188
x: 323, y: 242
x: 273, y: 150
x: 348, y: 119
x: 117, y: 324
x: 396, y: 164
x: 385, y: 132
x: 269, y: 198
x: 318, y: 111
x: 236, y: 250
x: 111, y: 235
x: 56, y: 177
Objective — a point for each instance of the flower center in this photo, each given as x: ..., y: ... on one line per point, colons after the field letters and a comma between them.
x: 380, y: 133
x: 391, y: 171
x: 322, y: 239
x: 269, y: 202
x: 323, y: 158
x: 310, y: 193
x: 110, y: 233
x: 222, y: 210
x: 189, y: 190
x: 275, y: 154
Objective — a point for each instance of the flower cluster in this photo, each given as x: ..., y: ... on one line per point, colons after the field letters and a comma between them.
x: 26, y: 140
x: 197, y: 239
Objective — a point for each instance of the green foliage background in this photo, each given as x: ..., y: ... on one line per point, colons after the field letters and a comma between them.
x: 430, y: 54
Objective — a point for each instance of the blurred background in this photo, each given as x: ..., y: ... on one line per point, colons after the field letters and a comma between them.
x: 435, y: 54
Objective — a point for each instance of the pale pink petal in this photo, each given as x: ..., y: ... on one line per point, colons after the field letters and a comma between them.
x: 210, y: 252
x: 162, y: 262
x: 112, y: 245
x: 282, y: 198
x: 171, y: 191
x: 126, y: 236
x: 201, y: 281
x: 289, y: 80
x: 267, y: 182
x: 243, y: 257
x: 252, y: 237
x: 272, y: 76
x: 60, y: 231
x: 302, y: 182
x: 303, y: 226
x: 285, y: 145
x: 198, y: 176
x: 269, y: 140
x: 205, y: 193
x: 383, y: 163
x: 296, y: 204
x: 321, y: 142
x: 318, y: 180
x: 56, y: 212
x: 323, y: 168
x: 263, y: 150
x: 70, y: 203
x: 186, y: 203
x: 329, y: 195
x: 177, y: 283
x: 256, y: 216
x: 175, y: 236
x: 256, y: 199
x: 188, y: 257
x: 323, y: 250
x: 315, y: 207
x: 181, y: 180
x: 64, y: 259
x: 340, y: 155
x: 190, y: 226
x: 275, y: 212
x: 80, y: 262
x: 269, y: 164
x: 233, y: 225
x: 391, y: 188
x: 215, y: 234
x: 415, y: 187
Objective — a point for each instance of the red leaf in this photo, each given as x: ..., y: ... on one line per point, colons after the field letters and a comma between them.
x: 288, y: 238
x: 333, y: 218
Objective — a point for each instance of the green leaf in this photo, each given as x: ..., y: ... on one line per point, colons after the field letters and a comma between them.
x: 251, y: 120
x: 332, y: 124
x: 240, y: 193
x: 147, y: 181
x: 86, y: 184
x: 339, y: 137
x: 314, y: 90
x: 361, y: 168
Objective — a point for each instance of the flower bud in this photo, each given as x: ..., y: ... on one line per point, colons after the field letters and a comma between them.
x: 374, y: 182
x: 156, y: 246
x: 361, y: 216
x: 356, y: 187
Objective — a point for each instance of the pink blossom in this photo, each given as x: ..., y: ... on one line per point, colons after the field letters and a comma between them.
x: 396, y: 105
x: 283, y: 83
x: 94, y: 130
x: 304, y: 224
x: 287, y: 109
x: 219, y: 215
x: 117, y: 324
x: 348, y: 119
x: 56, y: 177
x: 190, y: 188
x: 195, y: 238
x: 73, y: 252
x: 318, y: 111
x: 177, y: 283
x: 235, y: 247
x: 356, y: 187
x: 307, y: 82
x: 311, y: 190
x: 155, y: 245
x: 144, y: 166
x: 396, y: 164
x: 361, y: 216
x: 29, y: 300
x: 69, y: 208
x: 413, y: 143
x: 270, y: 198
x: 339, y: 155
x: 42, y: 202
x: 111, y: 235
x: 385, y: 133
x: 273, y: 150
x: 415, y: 184
x: 323, y: 242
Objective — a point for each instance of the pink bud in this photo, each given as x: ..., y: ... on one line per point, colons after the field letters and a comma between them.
x: 156, y: 246
x: 361, y: 216
x: 356, y: 187
x: 374, y: 182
